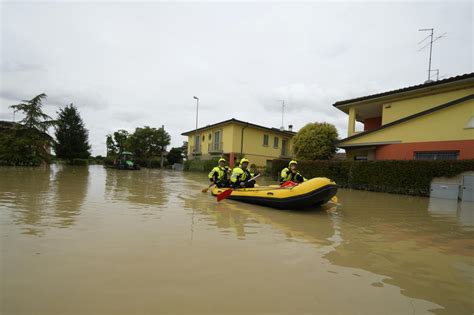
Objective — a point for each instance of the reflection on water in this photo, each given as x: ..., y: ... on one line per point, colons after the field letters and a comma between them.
x: 47, y: 196
x: 418, y: 243
x: 70, y: 189
x: 374, y: 253
x: 144, y: 187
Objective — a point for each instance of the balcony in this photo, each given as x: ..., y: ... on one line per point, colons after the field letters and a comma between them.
x: 215, y: 147
x: 195, y: 150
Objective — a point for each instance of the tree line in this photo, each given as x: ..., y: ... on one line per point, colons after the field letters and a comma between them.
x: 147, y: 145
x: 28, y: 142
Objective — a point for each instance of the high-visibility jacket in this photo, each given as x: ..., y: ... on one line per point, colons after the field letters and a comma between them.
x: 239, y: 175
x: 218, y: 174
x: 287, y: 174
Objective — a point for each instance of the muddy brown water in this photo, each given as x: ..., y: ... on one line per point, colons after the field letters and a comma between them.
x: 78, y: 240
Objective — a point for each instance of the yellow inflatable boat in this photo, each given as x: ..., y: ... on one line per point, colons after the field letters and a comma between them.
x: 311, y: 193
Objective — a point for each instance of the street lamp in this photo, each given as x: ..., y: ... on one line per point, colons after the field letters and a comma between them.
x: 195, y: 132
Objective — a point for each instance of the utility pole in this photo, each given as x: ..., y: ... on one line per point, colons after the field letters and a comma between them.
x: 195, y: 131
x: 162, y: 149
x: 432, y: 40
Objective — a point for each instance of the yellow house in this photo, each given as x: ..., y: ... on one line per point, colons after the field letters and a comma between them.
x: 232, y: 138
x: 434, y: 120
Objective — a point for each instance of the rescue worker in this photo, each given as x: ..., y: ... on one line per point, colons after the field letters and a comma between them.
x: 291, y: 173
x: 219, y: 174
x: 241, y: 175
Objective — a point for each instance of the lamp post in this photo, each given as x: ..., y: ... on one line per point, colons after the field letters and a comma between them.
x: 195, y: 132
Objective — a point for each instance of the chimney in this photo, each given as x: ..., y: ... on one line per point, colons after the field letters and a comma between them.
x: 290, y: 127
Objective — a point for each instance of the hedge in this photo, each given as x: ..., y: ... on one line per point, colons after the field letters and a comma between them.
x: 200, y: 165
x: 79, y: 162
x: 411, y: 177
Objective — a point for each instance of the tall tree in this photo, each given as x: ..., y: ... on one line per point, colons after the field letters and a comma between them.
x: 175, y: 156
x: 148, y: 142
x: 34, y: 116
x: 71, y: 135
x: 315, y: 141
x: 28, y: 143
x: 121, y: 140
x: 111, y: 148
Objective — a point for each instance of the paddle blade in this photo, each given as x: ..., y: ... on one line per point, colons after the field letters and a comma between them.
x: 334, y: 199
x: 224, y: 194
x: 204, y: 190
x: 288, y: 184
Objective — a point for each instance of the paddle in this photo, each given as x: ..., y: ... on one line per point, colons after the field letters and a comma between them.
x: 288, y: 183
x: 226, y: 193
x: 204, y: 190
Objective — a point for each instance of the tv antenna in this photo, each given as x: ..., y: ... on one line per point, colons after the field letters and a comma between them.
x: 430, y: 43
x: 282, y: 113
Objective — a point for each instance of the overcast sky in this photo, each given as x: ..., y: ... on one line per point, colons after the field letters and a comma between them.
x: 133, y: 64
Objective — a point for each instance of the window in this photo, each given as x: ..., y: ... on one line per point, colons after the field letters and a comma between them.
x: 440, y: 155
x: 197, y: 144
x: 217, y: 141
x: 283, y: 147
x: 265, y: 140
x: 275, y: 142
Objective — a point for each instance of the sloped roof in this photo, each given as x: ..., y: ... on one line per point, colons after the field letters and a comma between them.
x: 233, y: 120
x: 407, y: 89
x: 423, y: 113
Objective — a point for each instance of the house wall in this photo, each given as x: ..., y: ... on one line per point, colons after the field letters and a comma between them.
x: 372, y: 123
x: 400, y: 109
x: 447, y: 124
x: 406, y: 151
x: 253, y: 147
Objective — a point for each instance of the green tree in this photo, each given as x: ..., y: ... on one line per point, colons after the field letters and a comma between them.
x: 175, y: 155
x: 149, y: 142
x: 315, y: 141
x: 28, y: 143
x: 34, y: 116
x: 184, y: 148
x: 121, y: 140
x: 111, y: 148
x: 72, y: 138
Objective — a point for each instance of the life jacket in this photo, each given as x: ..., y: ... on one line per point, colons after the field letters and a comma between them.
x: 288, y: 175
x: 218, y: 174
x: 239, y: 175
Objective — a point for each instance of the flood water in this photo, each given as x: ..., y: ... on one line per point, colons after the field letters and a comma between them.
x: 78, y: 240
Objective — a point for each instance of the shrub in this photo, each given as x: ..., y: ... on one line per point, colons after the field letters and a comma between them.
x: 404, y: 177
x: 200, y: 165
x: 80, y: 162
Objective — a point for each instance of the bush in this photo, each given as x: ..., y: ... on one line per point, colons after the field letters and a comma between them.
x: 403, y: 177
x: 80, y: 162
x: 200, y: 165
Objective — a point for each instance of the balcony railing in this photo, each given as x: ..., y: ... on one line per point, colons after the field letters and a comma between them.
x: 215, y: 147
x: 195, y: 150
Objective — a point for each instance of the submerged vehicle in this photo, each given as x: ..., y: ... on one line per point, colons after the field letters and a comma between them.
x: 126, y: 161
x: 311, y: 193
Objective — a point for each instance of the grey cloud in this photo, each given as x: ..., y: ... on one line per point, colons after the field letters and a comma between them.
x: 238, y: 58
x: 9, y: 65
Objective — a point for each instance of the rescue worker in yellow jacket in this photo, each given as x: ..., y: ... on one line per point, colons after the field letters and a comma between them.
x: 291, y: 173
x: 241, y: 175
x: 219, y: 174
